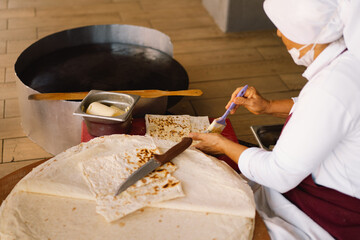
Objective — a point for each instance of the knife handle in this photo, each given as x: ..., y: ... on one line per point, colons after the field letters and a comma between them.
x: 174, y: 151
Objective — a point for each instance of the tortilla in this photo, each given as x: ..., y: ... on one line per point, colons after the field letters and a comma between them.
x: 62, y: 176
x: 168, y: 127
x: 54, y: 201
x: 209, y: 185
x: 105, y: 174
x: 30, y: 216
x: 174, y: 127
x: 199, y: 124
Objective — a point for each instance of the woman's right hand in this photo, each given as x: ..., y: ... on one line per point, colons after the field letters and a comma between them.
x: 251, y: 100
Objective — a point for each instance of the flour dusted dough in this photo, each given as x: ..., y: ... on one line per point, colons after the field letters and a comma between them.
x: 55, y: 202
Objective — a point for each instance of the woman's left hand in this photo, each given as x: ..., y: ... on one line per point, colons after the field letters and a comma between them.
x: 212, y: 143
x: 217, y: 144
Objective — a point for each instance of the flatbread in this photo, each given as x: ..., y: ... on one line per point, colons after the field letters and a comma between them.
x: 199, y: 124
x: 174, y: 127
x: 30, y: 216
x: 168, y: 127
x: 198, y: 173
x: 54, y: 201
x: 209, y: 185
x: 105, y: 174
x: 50, y: 178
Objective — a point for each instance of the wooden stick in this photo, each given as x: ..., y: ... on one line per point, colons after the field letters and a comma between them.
x: 142, y: 93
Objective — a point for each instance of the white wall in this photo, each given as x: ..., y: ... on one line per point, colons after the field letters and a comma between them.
x: 238, y: 15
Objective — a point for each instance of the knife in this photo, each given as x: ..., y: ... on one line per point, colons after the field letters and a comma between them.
x: 154, y: 163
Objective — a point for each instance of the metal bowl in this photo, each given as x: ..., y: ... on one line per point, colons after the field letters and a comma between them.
x: 102, y: 125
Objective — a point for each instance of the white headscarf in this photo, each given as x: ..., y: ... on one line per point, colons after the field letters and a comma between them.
x: 317, y: 21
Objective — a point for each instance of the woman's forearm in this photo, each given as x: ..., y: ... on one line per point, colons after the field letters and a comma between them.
x: 280, y: 108
x: 233, y: 150
x: 215, y: 144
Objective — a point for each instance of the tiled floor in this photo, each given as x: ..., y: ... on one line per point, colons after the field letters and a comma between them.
x: 216, y: 62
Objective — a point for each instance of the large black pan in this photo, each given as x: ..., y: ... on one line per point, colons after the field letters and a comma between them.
x: 83, y: 59
x: 102, y: 57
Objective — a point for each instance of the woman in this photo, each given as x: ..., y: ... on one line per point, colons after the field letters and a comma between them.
x: 310, y: 181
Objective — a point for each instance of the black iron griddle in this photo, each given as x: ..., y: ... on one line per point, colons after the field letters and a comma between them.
x: 80, y: 60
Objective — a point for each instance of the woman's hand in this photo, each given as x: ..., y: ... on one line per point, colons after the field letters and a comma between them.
x: 212, y: 143
x: 251, y: 100
x: 216, y: 144
x: 256, y: 104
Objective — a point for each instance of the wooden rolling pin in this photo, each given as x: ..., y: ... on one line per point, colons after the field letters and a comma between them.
x: 142, y: 93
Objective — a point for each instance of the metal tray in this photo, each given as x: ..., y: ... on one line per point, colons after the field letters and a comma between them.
x: 120, y: 100
x: 267, y: 135
x: 104, y: 125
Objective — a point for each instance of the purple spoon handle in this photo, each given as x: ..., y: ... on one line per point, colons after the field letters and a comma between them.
x: 232, y: 105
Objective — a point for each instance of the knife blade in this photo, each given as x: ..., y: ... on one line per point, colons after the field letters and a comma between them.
x: 154, y: 163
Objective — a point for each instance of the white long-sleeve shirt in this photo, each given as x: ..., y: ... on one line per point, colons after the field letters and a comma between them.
x: 322, y: 138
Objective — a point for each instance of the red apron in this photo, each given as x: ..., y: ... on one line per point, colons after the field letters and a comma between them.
x: 336, y: 212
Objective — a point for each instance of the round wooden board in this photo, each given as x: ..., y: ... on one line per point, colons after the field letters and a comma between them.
x: 8, y: 182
